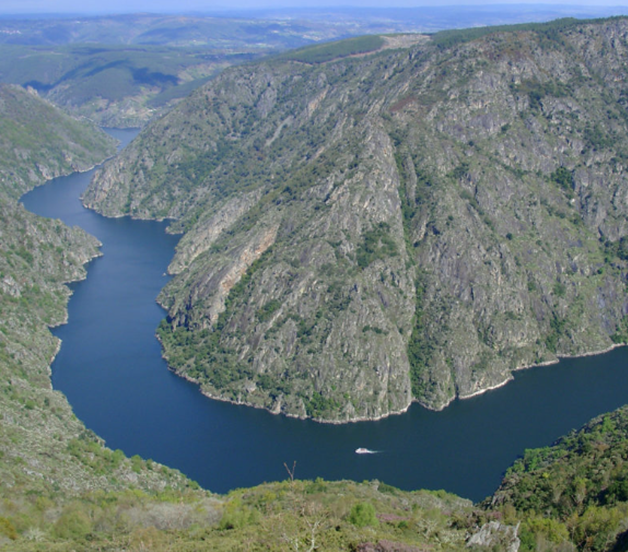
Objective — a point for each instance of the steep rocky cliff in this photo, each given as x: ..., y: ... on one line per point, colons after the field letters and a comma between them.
x: 412, y: 223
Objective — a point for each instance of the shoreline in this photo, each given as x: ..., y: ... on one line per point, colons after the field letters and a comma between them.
x: 98, y: 253
x: 287, y: 415
x: 509, y: 379
x: 396, y: 412
x: 66, y: 318
x: 486, y: 390
x: 72, y: 170
x: 593, y: 353
x: 528, y: 366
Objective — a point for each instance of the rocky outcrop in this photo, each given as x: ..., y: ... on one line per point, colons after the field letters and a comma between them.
x: 442, y: 215
x: 495, y: 536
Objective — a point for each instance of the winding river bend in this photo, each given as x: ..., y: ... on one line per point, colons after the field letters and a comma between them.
x: 111, y: 370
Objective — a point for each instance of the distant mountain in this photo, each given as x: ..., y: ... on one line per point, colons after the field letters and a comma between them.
x: 123, y: 70
x: 385, y: 220
x: 278, y: 28
x: 239, y: 32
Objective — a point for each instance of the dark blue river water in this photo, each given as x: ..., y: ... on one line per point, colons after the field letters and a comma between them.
x: 111, y: 370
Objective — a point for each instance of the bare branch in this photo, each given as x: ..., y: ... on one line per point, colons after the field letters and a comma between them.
x: 291, y: 472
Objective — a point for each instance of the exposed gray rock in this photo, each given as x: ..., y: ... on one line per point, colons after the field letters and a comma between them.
x: 496, y: 536
x: 409, y: 225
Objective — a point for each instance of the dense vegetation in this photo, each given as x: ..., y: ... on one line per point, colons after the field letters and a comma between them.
x: 575, y: 491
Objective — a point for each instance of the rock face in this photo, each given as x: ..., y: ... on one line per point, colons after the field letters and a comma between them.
x: 496, y: 536
x: 411, y: 224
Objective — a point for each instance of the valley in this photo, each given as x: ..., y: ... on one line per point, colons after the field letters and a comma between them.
x: 410, y: 224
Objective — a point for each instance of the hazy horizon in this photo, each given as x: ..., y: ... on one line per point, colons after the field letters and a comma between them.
x: 112, y: 7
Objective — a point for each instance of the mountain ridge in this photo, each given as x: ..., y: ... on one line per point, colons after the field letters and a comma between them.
x: 414, y: 224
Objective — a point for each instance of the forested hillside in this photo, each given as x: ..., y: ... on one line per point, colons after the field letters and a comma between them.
x: 47, y: 457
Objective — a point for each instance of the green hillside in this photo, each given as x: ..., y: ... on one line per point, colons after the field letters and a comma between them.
x: 40, y: 142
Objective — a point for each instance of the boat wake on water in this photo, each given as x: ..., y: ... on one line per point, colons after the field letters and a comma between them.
x: 362, y: 450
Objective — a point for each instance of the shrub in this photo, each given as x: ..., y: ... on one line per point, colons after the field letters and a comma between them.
x: 552, y: 530
x: 563, y: 177
x: 363, y: 514
x: 237, y: 515
x: 7, y: 528
x: 72, y: 524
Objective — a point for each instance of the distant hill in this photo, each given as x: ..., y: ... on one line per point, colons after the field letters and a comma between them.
x: 39, y: 141
x: 278, y: 28
x: 122, y: 71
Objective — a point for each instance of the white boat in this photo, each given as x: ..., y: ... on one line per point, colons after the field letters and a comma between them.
x: 362, y: 450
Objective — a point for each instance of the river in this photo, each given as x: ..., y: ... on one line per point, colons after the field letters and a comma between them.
x: 111, y: 370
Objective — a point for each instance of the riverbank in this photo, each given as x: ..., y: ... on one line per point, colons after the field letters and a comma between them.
x: 111, y: 369
x: 276, y: 412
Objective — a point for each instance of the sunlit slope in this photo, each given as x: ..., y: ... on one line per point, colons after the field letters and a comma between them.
x: 410, y: 221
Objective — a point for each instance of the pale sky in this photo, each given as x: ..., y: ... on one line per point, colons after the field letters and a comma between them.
x: 182, y: 6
